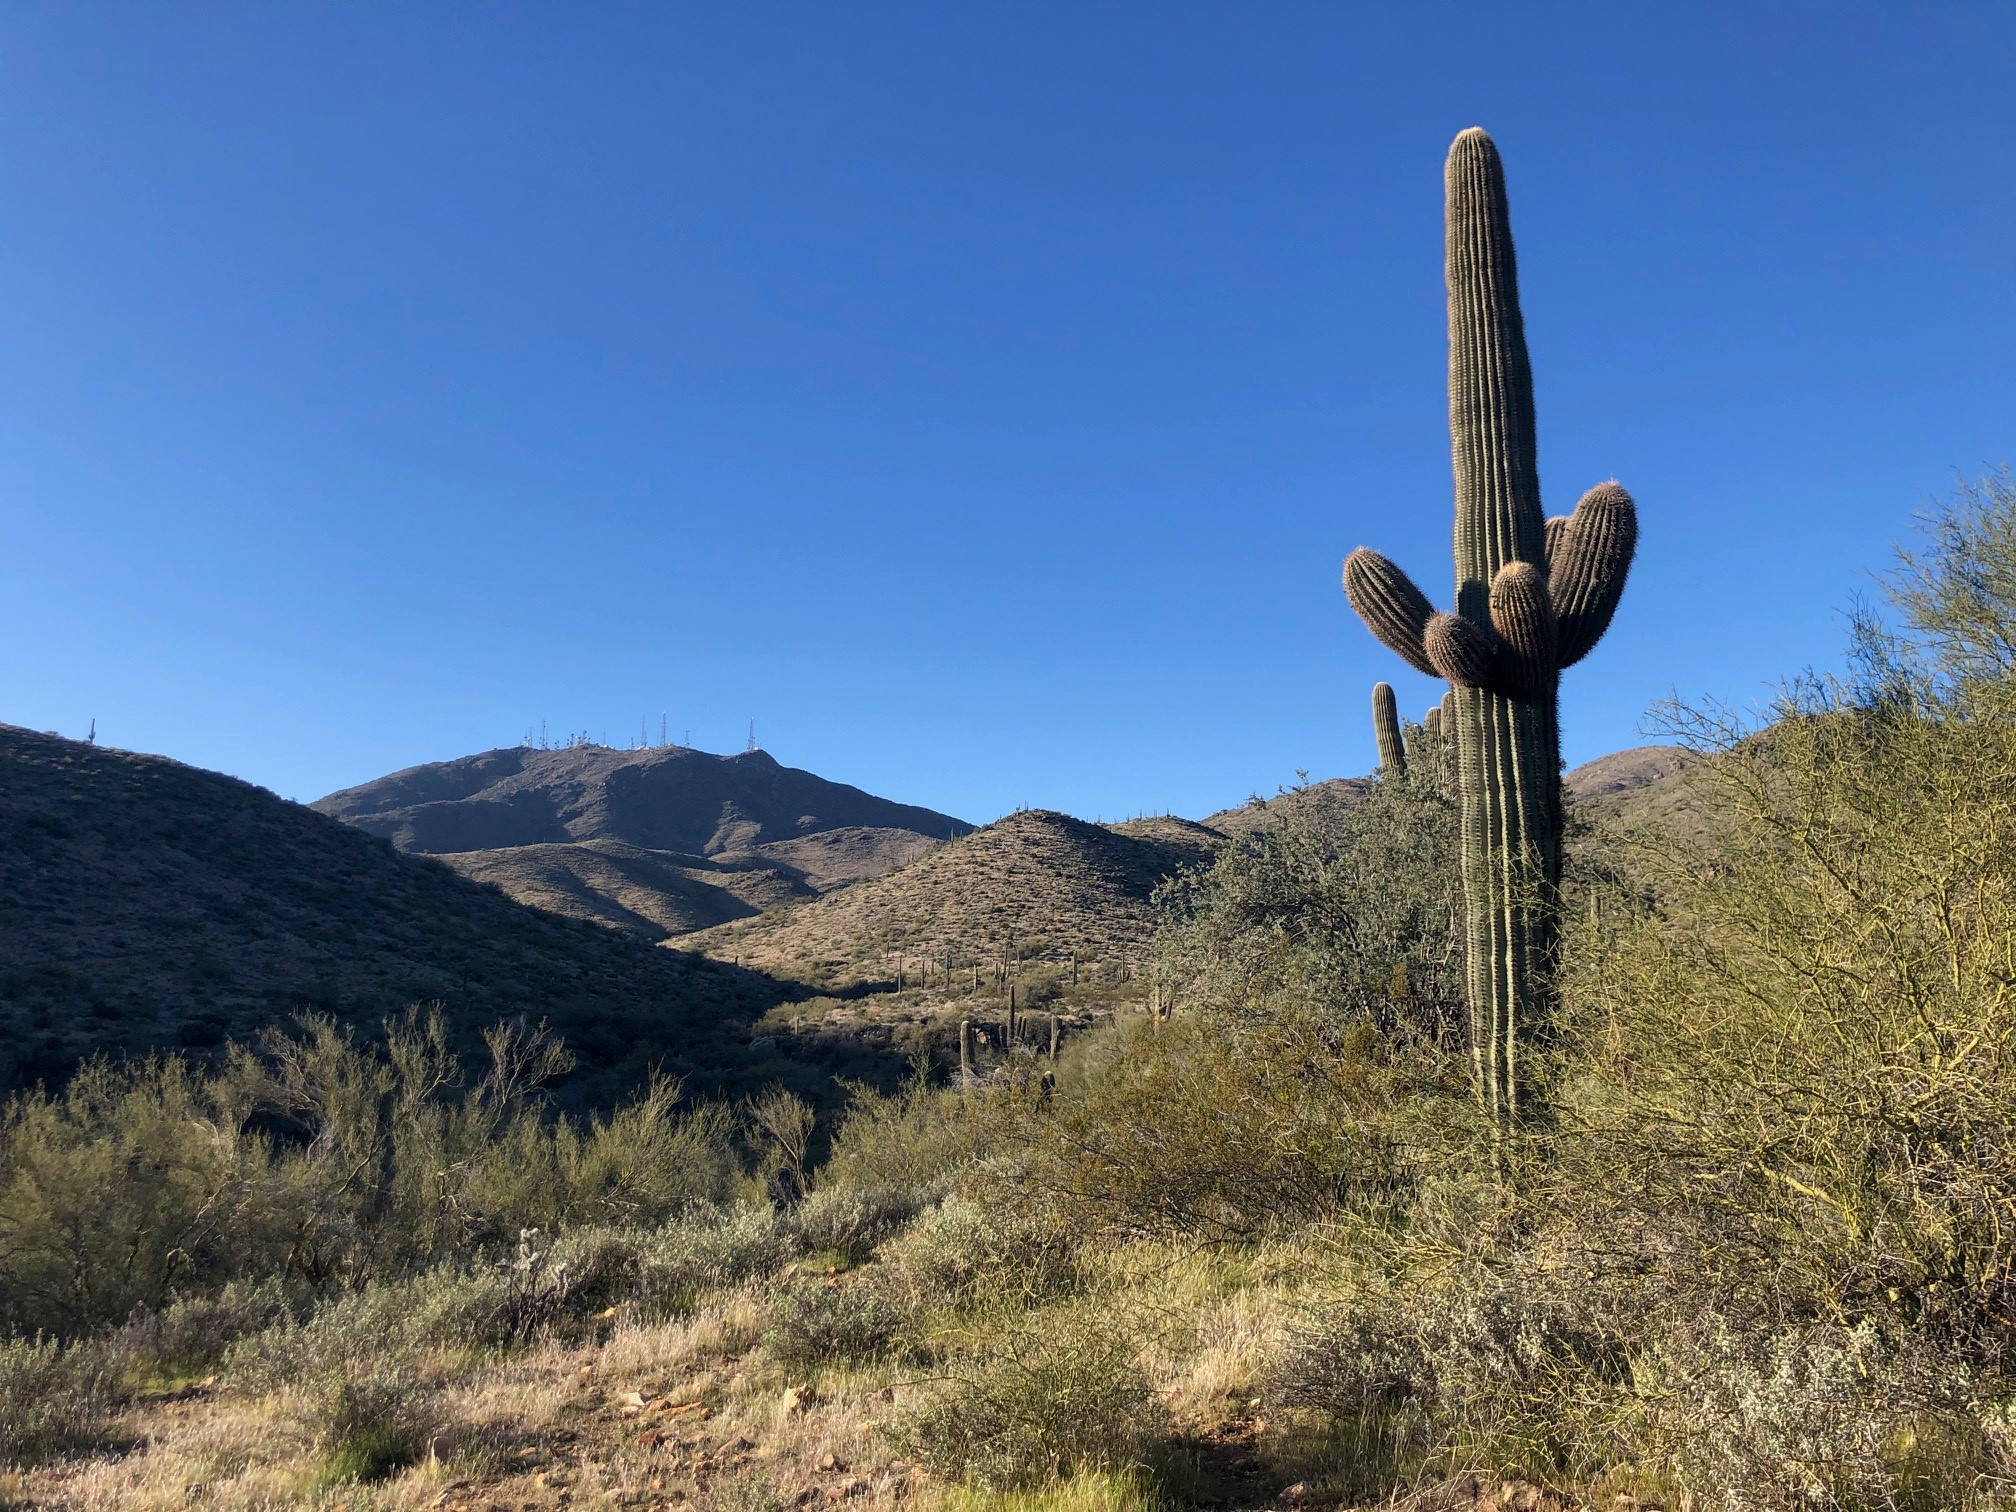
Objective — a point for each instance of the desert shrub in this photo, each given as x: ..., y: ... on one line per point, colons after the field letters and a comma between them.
x: 346, y: 1335
x: 52, y: 1399
x: 910, y: 1140
x: 324, y: 1162
x: 1224, y: 1126
x: 1350, y: 908
x: 131, y: 1185
x: 779, y: 1125
x: 708, y: 1249
x: 191, y: 1335
x: 964, y: 1252
x: 811, y: 1325
x: 1060, y: 1393
x: 529, y: 1292
x: 1793, y: 1081
x: 1821, y: 1415
x: 371, y: 1423
x: 852, y: 1223
x: 1311, y: 1063
x: 1475, y: 1367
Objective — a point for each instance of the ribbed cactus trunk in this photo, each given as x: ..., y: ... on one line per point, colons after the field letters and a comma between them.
x: 1508, y: 748
x: 1533, y: 595
x: 1386, y: 731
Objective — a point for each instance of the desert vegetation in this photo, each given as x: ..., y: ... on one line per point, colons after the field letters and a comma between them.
x: 1748, y: 1249
x: 1459, y: 1153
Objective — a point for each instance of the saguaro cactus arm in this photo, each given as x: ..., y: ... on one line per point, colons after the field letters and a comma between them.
x: 1386, y: 731
x: 1523, y: 616
x: 1393, y: 609
x: 1461, y: 652
x: 1586, y: 571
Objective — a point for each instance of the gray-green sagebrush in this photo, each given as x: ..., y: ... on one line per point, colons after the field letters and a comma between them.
x: 1533, y: 596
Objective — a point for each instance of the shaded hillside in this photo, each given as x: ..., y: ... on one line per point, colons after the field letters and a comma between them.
x: 651, y: 893
x: 145, y: 904
x: 1035, y: 882
x: 664, y: 798
x: 654, y: 842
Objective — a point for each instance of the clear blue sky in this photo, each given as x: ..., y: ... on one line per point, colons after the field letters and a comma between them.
x: 981, y: 396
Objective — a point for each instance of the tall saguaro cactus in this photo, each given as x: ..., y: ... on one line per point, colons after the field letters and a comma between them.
x: 1386, y: 731
x: 1533, y: 596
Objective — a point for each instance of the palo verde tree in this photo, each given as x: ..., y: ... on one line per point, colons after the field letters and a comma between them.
x: 1533, y: 596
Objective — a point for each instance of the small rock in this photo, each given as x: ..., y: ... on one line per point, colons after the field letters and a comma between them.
x: 832, y: 1463
x: 1296, y: 1495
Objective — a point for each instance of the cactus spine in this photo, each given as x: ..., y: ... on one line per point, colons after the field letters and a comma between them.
x: 1533, y: 596
x: 1386, y: 730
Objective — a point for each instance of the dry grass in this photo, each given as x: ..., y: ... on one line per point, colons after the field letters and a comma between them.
x: 692, y: 1413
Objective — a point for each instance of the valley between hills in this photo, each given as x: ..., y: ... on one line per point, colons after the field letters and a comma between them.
x: 663, y: 908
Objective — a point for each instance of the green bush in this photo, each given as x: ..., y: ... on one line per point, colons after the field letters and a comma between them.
x: 370, y: 1424
x: 191, y: 1336
x: 322, y: 1163
x: 852, y: 1223
x: 52, y: 1399
x: 966, y: 1253
x: 1472, y: 1367
x: 810, y: 1325
x: 710, y: 1248
x: 910, y: 1140
x: 1347, y: 909
x: 1061, y: 1393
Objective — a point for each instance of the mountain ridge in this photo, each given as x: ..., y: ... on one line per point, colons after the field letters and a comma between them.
x: 669, y: 798
x: 146, y: 905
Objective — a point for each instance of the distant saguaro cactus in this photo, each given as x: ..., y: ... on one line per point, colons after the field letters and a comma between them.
x: 1386, y: 731
x: 1533, y: 595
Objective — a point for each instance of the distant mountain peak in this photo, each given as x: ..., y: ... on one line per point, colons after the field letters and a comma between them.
x: 668, y: 798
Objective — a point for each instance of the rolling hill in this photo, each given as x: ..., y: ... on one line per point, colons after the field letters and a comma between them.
x: 1059, y: 886
x: 1034, y: 882
x: 145, y: 905
x: 655, y: 842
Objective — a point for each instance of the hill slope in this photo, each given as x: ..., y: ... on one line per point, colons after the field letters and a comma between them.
x: 1037, y: 881
x: 651, y: 893
x: 1642, y: 787
x: 654, y: 842
x: 145, y: 904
